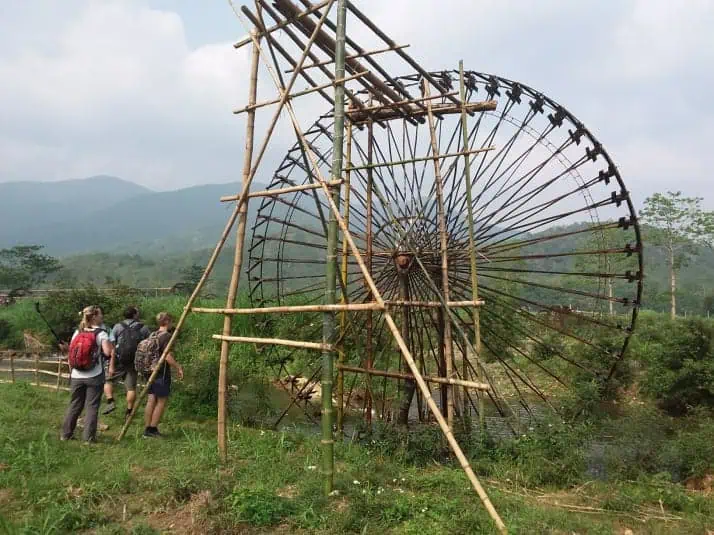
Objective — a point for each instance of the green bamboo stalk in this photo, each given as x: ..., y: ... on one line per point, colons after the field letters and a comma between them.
x: 472, y: 254
x: 329, y: 332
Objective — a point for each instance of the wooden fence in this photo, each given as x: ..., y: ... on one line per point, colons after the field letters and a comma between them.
x: 37, y: 365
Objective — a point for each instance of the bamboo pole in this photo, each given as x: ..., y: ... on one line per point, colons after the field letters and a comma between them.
x: 237, y: 261
x: 224, y: 236
x: 343, y: 300
x: 435, y: 304
x: 472, y: 255
x: 423, y: 159
x: 429, y: 379
x: 417, y: 111
x: 328, y: 321
x: 393, y: 327
x: 398, y: 338
x: 59, y: 373
x: 12, y: 367
x: 447, y: 342
x: 354, y: 56
x: 298, y: 94
x: 37, y: 369
x: 409, y: 384
x: 369, y: 401
x: 275, y: 192
x: 275, y: 341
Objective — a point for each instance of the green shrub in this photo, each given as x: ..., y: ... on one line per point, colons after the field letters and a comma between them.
x: 259, y: 506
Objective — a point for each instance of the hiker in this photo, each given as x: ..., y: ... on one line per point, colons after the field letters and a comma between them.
x: 126, y: 336
x: 89, y: 343
x: 148, y: 354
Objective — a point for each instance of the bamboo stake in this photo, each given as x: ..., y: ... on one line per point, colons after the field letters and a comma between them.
x: 350, y: 307
x: 472, y: 250
x: 343, y: 300
x: 393, y: 327
x: 413, y: 160
x: 221, y: 242
x: 398, y: 338
x: 429, y: 379
x: 237, y: 261
x: 12, y: 367
x: 37, y: 369
x: 328, y: 321
x: 275, y: 341
x: 448, y: 343
x: 274, y: 192
x: 299, y: 93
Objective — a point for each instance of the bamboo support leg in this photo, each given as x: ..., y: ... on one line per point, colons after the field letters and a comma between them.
x: 237, y: 262
x: 472, y: 255
x: 443, y: 240
x: 369, y: 400
x: 343, y: 300
x: 328, y: 322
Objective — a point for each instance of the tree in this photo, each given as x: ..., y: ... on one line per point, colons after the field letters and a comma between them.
x: 24, y: 266
x: 680, y: 226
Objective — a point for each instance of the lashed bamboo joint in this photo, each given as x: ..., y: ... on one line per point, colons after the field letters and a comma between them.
x: 388, y: 113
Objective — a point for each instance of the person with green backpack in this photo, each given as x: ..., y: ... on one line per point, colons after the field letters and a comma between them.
x: 127, y: 335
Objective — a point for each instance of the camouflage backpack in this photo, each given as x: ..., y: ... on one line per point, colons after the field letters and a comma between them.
x: 148, y: 353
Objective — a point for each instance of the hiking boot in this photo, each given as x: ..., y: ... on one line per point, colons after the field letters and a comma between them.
x: 151, y: 432
x: 111, y: 407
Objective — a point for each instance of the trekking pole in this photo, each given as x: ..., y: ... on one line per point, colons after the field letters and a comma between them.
x: 37, y: 308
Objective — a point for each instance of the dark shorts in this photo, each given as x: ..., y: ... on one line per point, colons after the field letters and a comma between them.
x: 161, y: 388
x: 128, y: 375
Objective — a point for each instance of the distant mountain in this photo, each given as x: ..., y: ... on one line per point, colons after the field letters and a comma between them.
x: 104, y: 214
x: 28, y: 207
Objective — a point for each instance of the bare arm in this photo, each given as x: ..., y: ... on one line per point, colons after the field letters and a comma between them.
x: 172, y: 362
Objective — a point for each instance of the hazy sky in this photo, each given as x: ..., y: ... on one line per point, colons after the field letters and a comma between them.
x: 143, y: 89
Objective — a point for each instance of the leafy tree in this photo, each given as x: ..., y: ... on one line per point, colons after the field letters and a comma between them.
x: 680, y: 226
x: 24, y: 266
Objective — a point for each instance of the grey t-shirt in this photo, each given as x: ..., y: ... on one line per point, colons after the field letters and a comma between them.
x: 120, y: 327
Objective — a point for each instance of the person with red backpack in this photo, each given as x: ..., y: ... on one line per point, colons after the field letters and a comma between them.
x: 126, y: 335
x: 85, y: 357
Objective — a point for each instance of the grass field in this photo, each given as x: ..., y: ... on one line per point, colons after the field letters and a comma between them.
x: 271, y: 485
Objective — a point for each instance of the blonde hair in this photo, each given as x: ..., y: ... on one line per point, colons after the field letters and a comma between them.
x: 88, y: 314
x: 164, y: 318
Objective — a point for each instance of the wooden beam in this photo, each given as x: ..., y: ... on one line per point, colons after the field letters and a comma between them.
x: 273, y: 341
x: 429, y: 379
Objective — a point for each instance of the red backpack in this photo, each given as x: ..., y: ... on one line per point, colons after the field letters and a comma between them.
x: 84, y: 351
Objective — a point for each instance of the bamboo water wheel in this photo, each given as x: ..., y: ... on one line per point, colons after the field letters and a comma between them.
x: 556, y: 240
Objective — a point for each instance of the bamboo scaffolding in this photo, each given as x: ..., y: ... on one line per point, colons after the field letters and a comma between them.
x: 472, y: 256
x: 385, y: 113
x: 396, y: 334
x: 281, y: 25
x: 274, y: 341
x: 443, y: 240
x: 219, y: 246
x: 429, y: 379
x: 354, y: 56
x: 343, y: 299
x: 237, y: 261
x: 281, y: 191
x: 435, y: 158
x: 299, y: 93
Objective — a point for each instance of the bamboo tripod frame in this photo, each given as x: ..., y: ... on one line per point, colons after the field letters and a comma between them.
x: 331, y: 188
